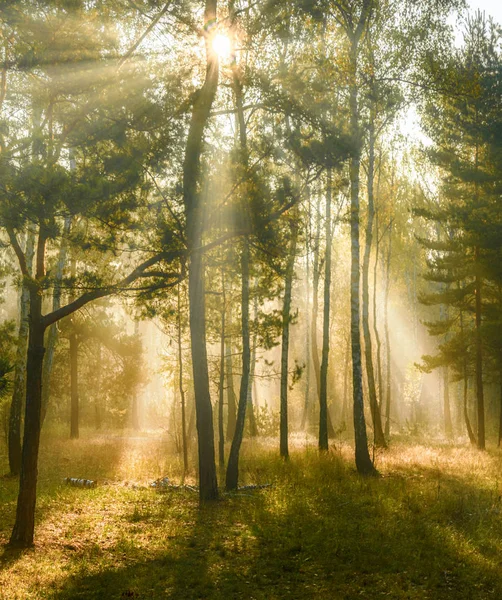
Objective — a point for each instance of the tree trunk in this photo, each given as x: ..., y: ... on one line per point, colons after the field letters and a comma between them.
x: 368, y: 353
x: 74, y: 416
x: 323, y: 391
x: 52, y: 334
x: 19, y: 390
x: 221, y: 432
x: 253, y: 429
x: 97, y: 397
x: 448, y: 429
x: 74, y: 420
x: 182, y: 389
x: 345, y: 405
x: 134, y: 399
x: 307, y: 320
x: 375, y: 322
x: 232, y: 475
x: 286, y: 317
x: 479, y: 359
x: 231, y: 399
x: 470, y: 432
x: 22, y: 534
x: 388, y: 384
x: 208, y: 486
x: 363, y: 461
x: 315, y: 302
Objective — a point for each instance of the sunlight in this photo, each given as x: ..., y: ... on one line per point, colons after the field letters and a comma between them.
x: 222, y: 46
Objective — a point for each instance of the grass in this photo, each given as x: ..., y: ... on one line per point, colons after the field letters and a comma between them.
x: 429, y: 528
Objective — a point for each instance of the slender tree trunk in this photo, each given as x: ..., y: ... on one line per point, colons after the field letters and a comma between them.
x: 286, y: 317
x: 368, y: 353
x: 315, y: 299
x: 388, y: 382
x: 74, y: 402
x: 97, y: 397
x: 52, y: 334
x: 363, y: 461
x: 315, y: 307
x: 448, y: 428
x: 19, y: 388
x: 479, y: 359
x: 182, y: 389
x: 231, y: 399
x: 375, y: 323
x: 74, y: 412
x: 135, y: 422
x: 470, y: 432
x: 253, y: 429
x: 208, y: 485
x: 232, y: 475
x: 221, y: 431
x: 307, y: 320
x: 323, y: 391
x: 346, y: 370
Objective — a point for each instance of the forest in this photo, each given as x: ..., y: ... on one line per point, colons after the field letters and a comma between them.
x: 250, y: 299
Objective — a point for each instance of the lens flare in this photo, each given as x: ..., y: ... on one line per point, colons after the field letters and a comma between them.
x: 222, y: 46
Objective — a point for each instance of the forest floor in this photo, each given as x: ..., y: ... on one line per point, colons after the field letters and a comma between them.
x: 429, y: 528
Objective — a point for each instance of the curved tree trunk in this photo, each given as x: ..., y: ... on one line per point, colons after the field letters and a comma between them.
x: 208, y: 485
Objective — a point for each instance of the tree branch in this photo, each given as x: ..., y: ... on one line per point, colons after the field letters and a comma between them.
x: 81, y: 301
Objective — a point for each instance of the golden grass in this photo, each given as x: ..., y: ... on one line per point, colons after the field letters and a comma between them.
x: 430, y: 527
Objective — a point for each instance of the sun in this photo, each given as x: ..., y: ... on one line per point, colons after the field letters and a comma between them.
x: 222, y: 46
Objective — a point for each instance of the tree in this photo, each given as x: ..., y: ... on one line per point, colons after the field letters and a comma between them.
x: 208, y: 485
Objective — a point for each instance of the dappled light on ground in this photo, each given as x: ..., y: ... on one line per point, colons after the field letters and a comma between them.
x: 430, y: 527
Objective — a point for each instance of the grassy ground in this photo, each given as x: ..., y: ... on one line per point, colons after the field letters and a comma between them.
x: 429, y: 528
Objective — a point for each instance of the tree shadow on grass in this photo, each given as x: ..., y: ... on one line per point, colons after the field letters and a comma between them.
x: 320, y: 533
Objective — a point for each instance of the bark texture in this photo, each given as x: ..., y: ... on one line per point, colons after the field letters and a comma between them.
x: 208, y: 486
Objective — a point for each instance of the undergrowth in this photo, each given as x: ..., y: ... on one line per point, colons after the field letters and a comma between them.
x: 429, y: 528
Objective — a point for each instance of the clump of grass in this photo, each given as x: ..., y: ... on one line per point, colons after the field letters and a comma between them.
x: 430, y: 527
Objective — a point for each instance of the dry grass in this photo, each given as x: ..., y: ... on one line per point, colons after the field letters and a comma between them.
x: 429, y: 528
